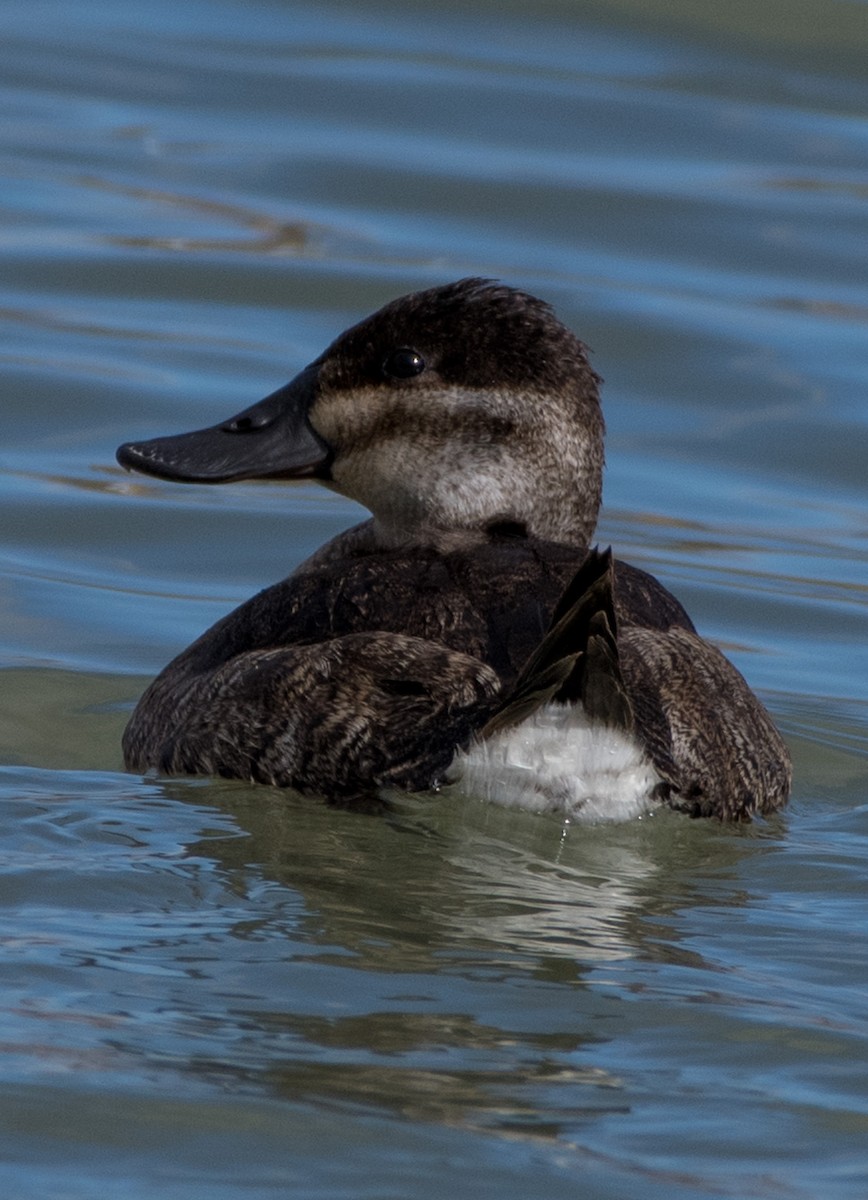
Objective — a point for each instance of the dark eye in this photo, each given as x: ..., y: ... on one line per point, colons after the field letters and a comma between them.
x: 404, y: 363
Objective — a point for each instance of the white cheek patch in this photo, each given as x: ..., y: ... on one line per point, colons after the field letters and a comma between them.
x: 558, y: 762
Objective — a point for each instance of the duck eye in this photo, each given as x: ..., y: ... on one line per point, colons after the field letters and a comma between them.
x: 404, y: 363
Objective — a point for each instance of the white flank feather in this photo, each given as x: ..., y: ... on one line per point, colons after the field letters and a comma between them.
x: 557, y: 761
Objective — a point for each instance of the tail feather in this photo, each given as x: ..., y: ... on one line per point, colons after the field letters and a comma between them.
x: 577, y: 660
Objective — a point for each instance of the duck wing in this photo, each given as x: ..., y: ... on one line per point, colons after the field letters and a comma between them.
x: 341, y: 719
x: 706, y: 732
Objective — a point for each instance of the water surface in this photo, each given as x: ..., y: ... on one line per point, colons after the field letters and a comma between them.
x: 216, y: 989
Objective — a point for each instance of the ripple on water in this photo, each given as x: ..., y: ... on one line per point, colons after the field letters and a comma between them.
x: 213, y: 986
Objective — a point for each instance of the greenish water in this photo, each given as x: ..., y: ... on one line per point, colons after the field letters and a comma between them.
x: 212, y: 989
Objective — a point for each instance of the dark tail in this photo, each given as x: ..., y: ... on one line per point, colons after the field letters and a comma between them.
x: 577, y: 660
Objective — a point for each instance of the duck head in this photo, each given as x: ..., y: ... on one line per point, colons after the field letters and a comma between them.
x: 452, y: 414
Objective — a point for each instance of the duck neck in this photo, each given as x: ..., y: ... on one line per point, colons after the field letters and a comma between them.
x: 567, y: 524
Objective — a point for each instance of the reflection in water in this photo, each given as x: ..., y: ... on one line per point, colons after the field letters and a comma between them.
x: 515, y: 899
x: 459, y: 872
x: 400, y: 949
x: 539, y: 1098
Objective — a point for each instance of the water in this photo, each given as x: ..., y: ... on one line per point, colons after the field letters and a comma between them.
x: 211, y: 989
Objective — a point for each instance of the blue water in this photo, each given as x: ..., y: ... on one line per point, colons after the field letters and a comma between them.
x: 214, y: 989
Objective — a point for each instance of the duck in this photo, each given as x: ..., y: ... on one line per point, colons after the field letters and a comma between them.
x: 467, y: 637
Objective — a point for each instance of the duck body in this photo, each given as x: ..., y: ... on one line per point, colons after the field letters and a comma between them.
x: 465, y: 636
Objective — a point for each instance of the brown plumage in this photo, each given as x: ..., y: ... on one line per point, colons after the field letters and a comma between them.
x: 467, y: 419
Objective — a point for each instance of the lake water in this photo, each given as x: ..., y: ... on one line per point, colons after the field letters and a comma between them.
x: 210, y: 989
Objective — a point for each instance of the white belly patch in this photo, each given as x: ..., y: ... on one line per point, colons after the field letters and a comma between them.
x: 557, y: 761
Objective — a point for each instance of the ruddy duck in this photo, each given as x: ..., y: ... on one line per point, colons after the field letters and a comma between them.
x: 465, y: 635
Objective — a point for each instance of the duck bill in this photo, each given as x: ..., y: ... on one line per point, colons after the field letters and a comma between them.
x: 273, y: 439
